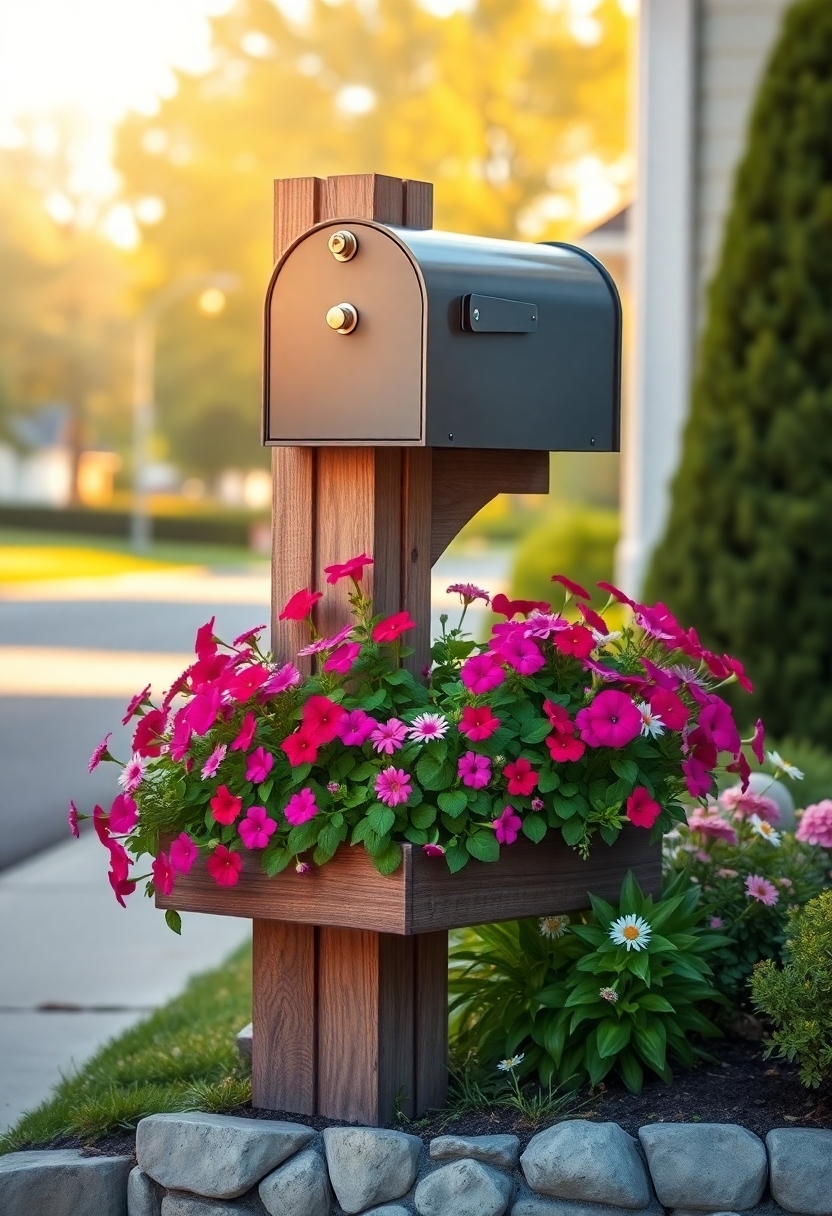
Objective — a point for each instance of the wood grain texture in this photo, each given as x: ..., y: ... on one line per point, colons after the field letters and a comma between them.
x: 416, y: 526
x: 396, y: 1024
x: 418, y: 204
x: 387, y: 540
x: 431, y: 1021
x: 284, y: 1038
x: 465, y: 479
x: 422, y: 896
x: 343, y: 521
x: 370, y: 196
x: 348, y: 1044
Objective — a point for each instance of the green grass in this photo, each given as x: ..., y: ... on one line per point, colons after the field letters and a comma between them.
x: 183, y: 1057
x: 159, y: 553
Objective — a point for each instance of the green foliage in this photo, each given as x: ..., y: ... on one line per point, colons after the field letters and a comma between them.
x: 183, y: 1057
x: 577, y: 1006
x: 748, y: 548
x: 797, y: 998
x: 580, y: 539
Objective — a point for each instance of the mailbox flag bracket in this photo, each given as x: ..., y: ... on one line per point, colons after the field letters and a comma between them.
x: 491, y: 315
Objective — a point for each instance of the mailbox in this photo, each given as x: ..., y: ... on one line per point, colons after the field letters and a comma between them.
x: 380, y: 335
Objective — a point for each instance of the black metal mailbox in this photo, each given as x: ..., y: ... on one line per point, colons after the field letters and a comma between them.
x: 378, y: 335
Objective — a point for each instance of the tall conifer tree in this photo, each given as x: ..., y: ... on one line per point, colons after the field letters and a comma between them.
x: 747, y: 555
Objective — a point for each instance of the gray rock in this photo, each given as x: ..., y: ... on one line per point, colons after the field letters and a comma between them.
x: 216, y: 1156
x: 61, y: 1182
x: 388, y: 1209
x: 143, y: 1195
x: 243, y: 1041
x: 501, y: 1151
x: 529, y: 1205
x: 800, y: 1165
x: 193, y: 1205
x: 463, y: 1188
x: 298, y: 1188
x: 707, y: 1167
x: 590, y: 1162
x: 370, y: 1165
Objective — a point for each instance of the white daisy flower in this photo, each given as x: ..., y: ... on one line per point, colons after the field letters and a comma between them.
x: 510, y: 1064
x: 631, y: 931
x: 427, y: 727
x: 601, y: 639
x: 764, y: 829
x: 790, y: 770
x: 553, y: 926
x: 651, y: 724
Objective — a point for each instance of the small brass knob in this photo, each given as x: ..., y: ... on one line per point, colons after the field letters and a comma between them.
x: 343, y: 245
x: 343, y: 318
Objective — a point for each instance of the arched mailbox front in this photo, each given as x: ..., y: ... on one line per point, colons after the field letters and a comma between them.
x: 380, y: 335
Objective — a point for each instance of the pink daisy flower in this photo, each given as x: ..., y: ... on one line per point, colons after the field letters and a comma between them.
x: 474, y: 770
x: 72, y: 820
x: 100, y: 753
x: 761, y: 889
x: 257, y: 828
x: 209, y: 768
x: 247, y: 638
x: 713, y: 826
x: 301, y: 807
x: 468, y: 592
x: 135, y: 702
x: 313, y: 648
x: 427, y: 727
x: 285, y: 677
x: 389, y: 736
x: 130, y: 777
x: 393, y: 786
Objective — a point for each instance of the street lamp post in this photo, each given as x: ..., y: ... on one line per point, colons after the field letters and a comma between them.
x: 144, y: 380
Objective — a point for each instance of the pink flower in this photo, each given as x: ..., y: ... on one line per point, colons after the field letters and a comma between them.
x: 225, y: 805
x: 333, y: 787
x: 353, y: 569
x: 183, y: 853
x: 481, y: 673
x: 478, y: 723
x: 298, y: 606
x: 248, y: 638
x: 246, y: 682
x: 256, y: 829
x: 389, y: 736
x: 301, y: 807
x: 698, y: 777
x: 502, y: 605
x: 147, y: 740
x: 134, y: 704
x: 611, y: 720
x: 321, y: 718
x: 592, y: 619
x: 468, y: 592
x: 202, y: 712
x: 742, y: 768
x: 224, y: 866
x: 425, y: 727
x: 123, y: 815
x: 163, y: 874
x: 209, y: 768
x: 758, y: 742
x: 617, y: 595
x: 716, y: 922
x: 393, y: 627
x: 342, y: 659
x: 245, y: 735
x: 100, y: 753
x: 713, y: 826
x: 393, y: 786
x: 433, y: 850
x: 474, y: 770
x: 507, y: 826
x: 521, y: 777
x: 315, y: 647
x: 538, y: 804
x: 72, y: 820
x: 355, y: 728
x: 130, y: 777
x: 716, y: 724
x: 576, y: 640
x: 815, y: 825
x: 743, y: 806
x: 642, y: 810
x: 571, y: 588
x: 669, y: 707
x: 302, y: 867
x: 563, y: 747
x: 285, y: 677
x: 562, y: 724
x: 259, y: 765
x: 205, y: 646
x: 118, y: 874
x: 523, y: 654
x: 544, y: 624
x: 180, y: 740
x: 300, y: 748
x: 761, y: 889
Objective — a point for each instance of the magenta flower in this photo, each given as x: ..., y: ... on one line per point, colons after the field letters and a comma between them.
x: 130, y: 777
x: 355, y: 728
x: 428, y: 726
x: 716, y: 922
x: 758, y: 742
x: 393, y: 786
x: 815, y: 825
x: 474, y: 770
x: 521, y: 777
x: 285, y: 677
x: 314, y: 647
x: 183, y: 853
x: 72, y: 820
x: 697, y: 777
x: 478, y: 723
x: 481, y: 673
x: 209, y: 768
x: 301, y: 807
x: 243, y: 684
x: 163, y: 874
x: 100, y: 753
x: 353, y: 569
x: 248, y: 726
x: 544, y: 624
x: 342, y: 658
x: 259, y: 765
x: 389, y: 736
x: 202, y: 711
x: 507, y: 826
x: 716, y: 725
x: 570, y: 587
x: 135, y: 702
x: 224, y: 866
x: 713, y: 826
x: 433, y: 850
x: 205, y: 645
x: 523, y: 654
x: 538, y: 804
x: 761, y: 889
x: 123, y: 815
x: 612, y: 720
x: 468, y: 592
x: 642, y: 810
x: 245, y: 639
x: 257, y: 828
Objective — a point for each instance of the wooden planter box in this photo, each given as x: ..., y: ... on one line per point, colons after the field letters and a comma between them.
x: 350, y: 967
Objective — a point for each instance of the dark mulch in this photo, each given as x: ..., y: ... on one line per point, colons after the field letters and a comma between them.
x: 738, y: 1087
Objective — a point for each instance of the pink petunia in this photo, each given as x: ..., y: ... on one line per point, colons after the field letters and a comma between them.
x: 592, y: 619
x: 716, y: 922
x: 762, y: 890
x: 301, y: 807
x: 279, y: 681
x: 478, y: 723
x: 257, y: 828
x: 563, y: 747
x: 163, y: 874
x: 299, y: 605
x: 130, y: 777
x: 642, y: 810
x: 669, y: 707
x: 72, y: 820
x: 245, y: 683
x: 510, y: 608
x: 342, y: 658
x: 224, y: 866
x: 742, y: 768
x: 389, y: 736
x: 711, y: 825
x: 481, y: 673
x: 354, y: 568
x: 698, y: 777
x: 521, y: 777
x: 474, y: 770
x: 147, y: 739
x: 507, y: 826
x: 393, y: 786
x: 225, y: 806
x: 562, y: 724
x: 576, y: 641
x: 202, y: 712
x: 392, y: 627
x: 123, y: 815
x: 321, y: 719
x: 300, y: 748
x: 249, y: 638
x: 245, y: 735
x: 523, y: 654
x: 355, y: 728
x: 205, y: 645
x: 183, y: 853
x: 815, y: 825
x: 213, y: 762
x: 134, y: 703
x: 716, y: 723
x: 180, y: 740
x: 758, y: 742
x: 571, y: 588
x: 259, y: 765
x: 744, y: 805
x: 100, y: 753
x: 611, y: 720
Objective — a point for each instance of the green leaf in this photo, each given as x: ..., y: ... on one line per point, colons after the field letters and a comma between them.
x: 381, y: 818
x: 423, y: 816
x: 536, y: 730
x: 483, y: 846
x: 453, y: 802
x: 398, y: 676
x: 650, y: 1043
x: 276, y: 860
x: 364, y: 771
x: 573, y: 831
x: 534, y: 826
x: 173, y: 920
x: 427, y: 768
x: 441, y: 777
x: 627, y: 770
x: 632, y: 1073
x: 456, y: 857
x: 265, y: 788
x: 565, y: 807
x: 548, y: 780
x: 303, y: 836
x: 415, y: 835
x: 612, y: 1037
x: 389, y: 859
x: 655, y: 1003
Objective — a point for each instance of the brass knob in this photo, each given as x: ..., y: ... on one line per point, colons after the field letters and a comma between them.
x: 343, y: 245
x: 343, y: 318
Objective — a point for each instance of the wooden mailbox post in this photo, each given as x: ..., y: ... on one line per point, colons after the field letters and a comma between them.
x: 350, y: 968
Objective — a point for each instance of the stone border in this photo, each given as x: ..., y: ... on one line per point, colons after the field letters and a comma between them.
x: 219, y: 1165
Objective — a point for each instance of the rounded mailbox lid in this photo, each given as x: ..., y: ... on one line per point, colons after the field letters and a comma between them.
x: 345, y: 340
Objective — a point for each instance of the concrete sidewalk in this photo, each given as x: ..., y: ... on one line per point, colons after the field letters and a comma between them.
x: 67, y: 943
